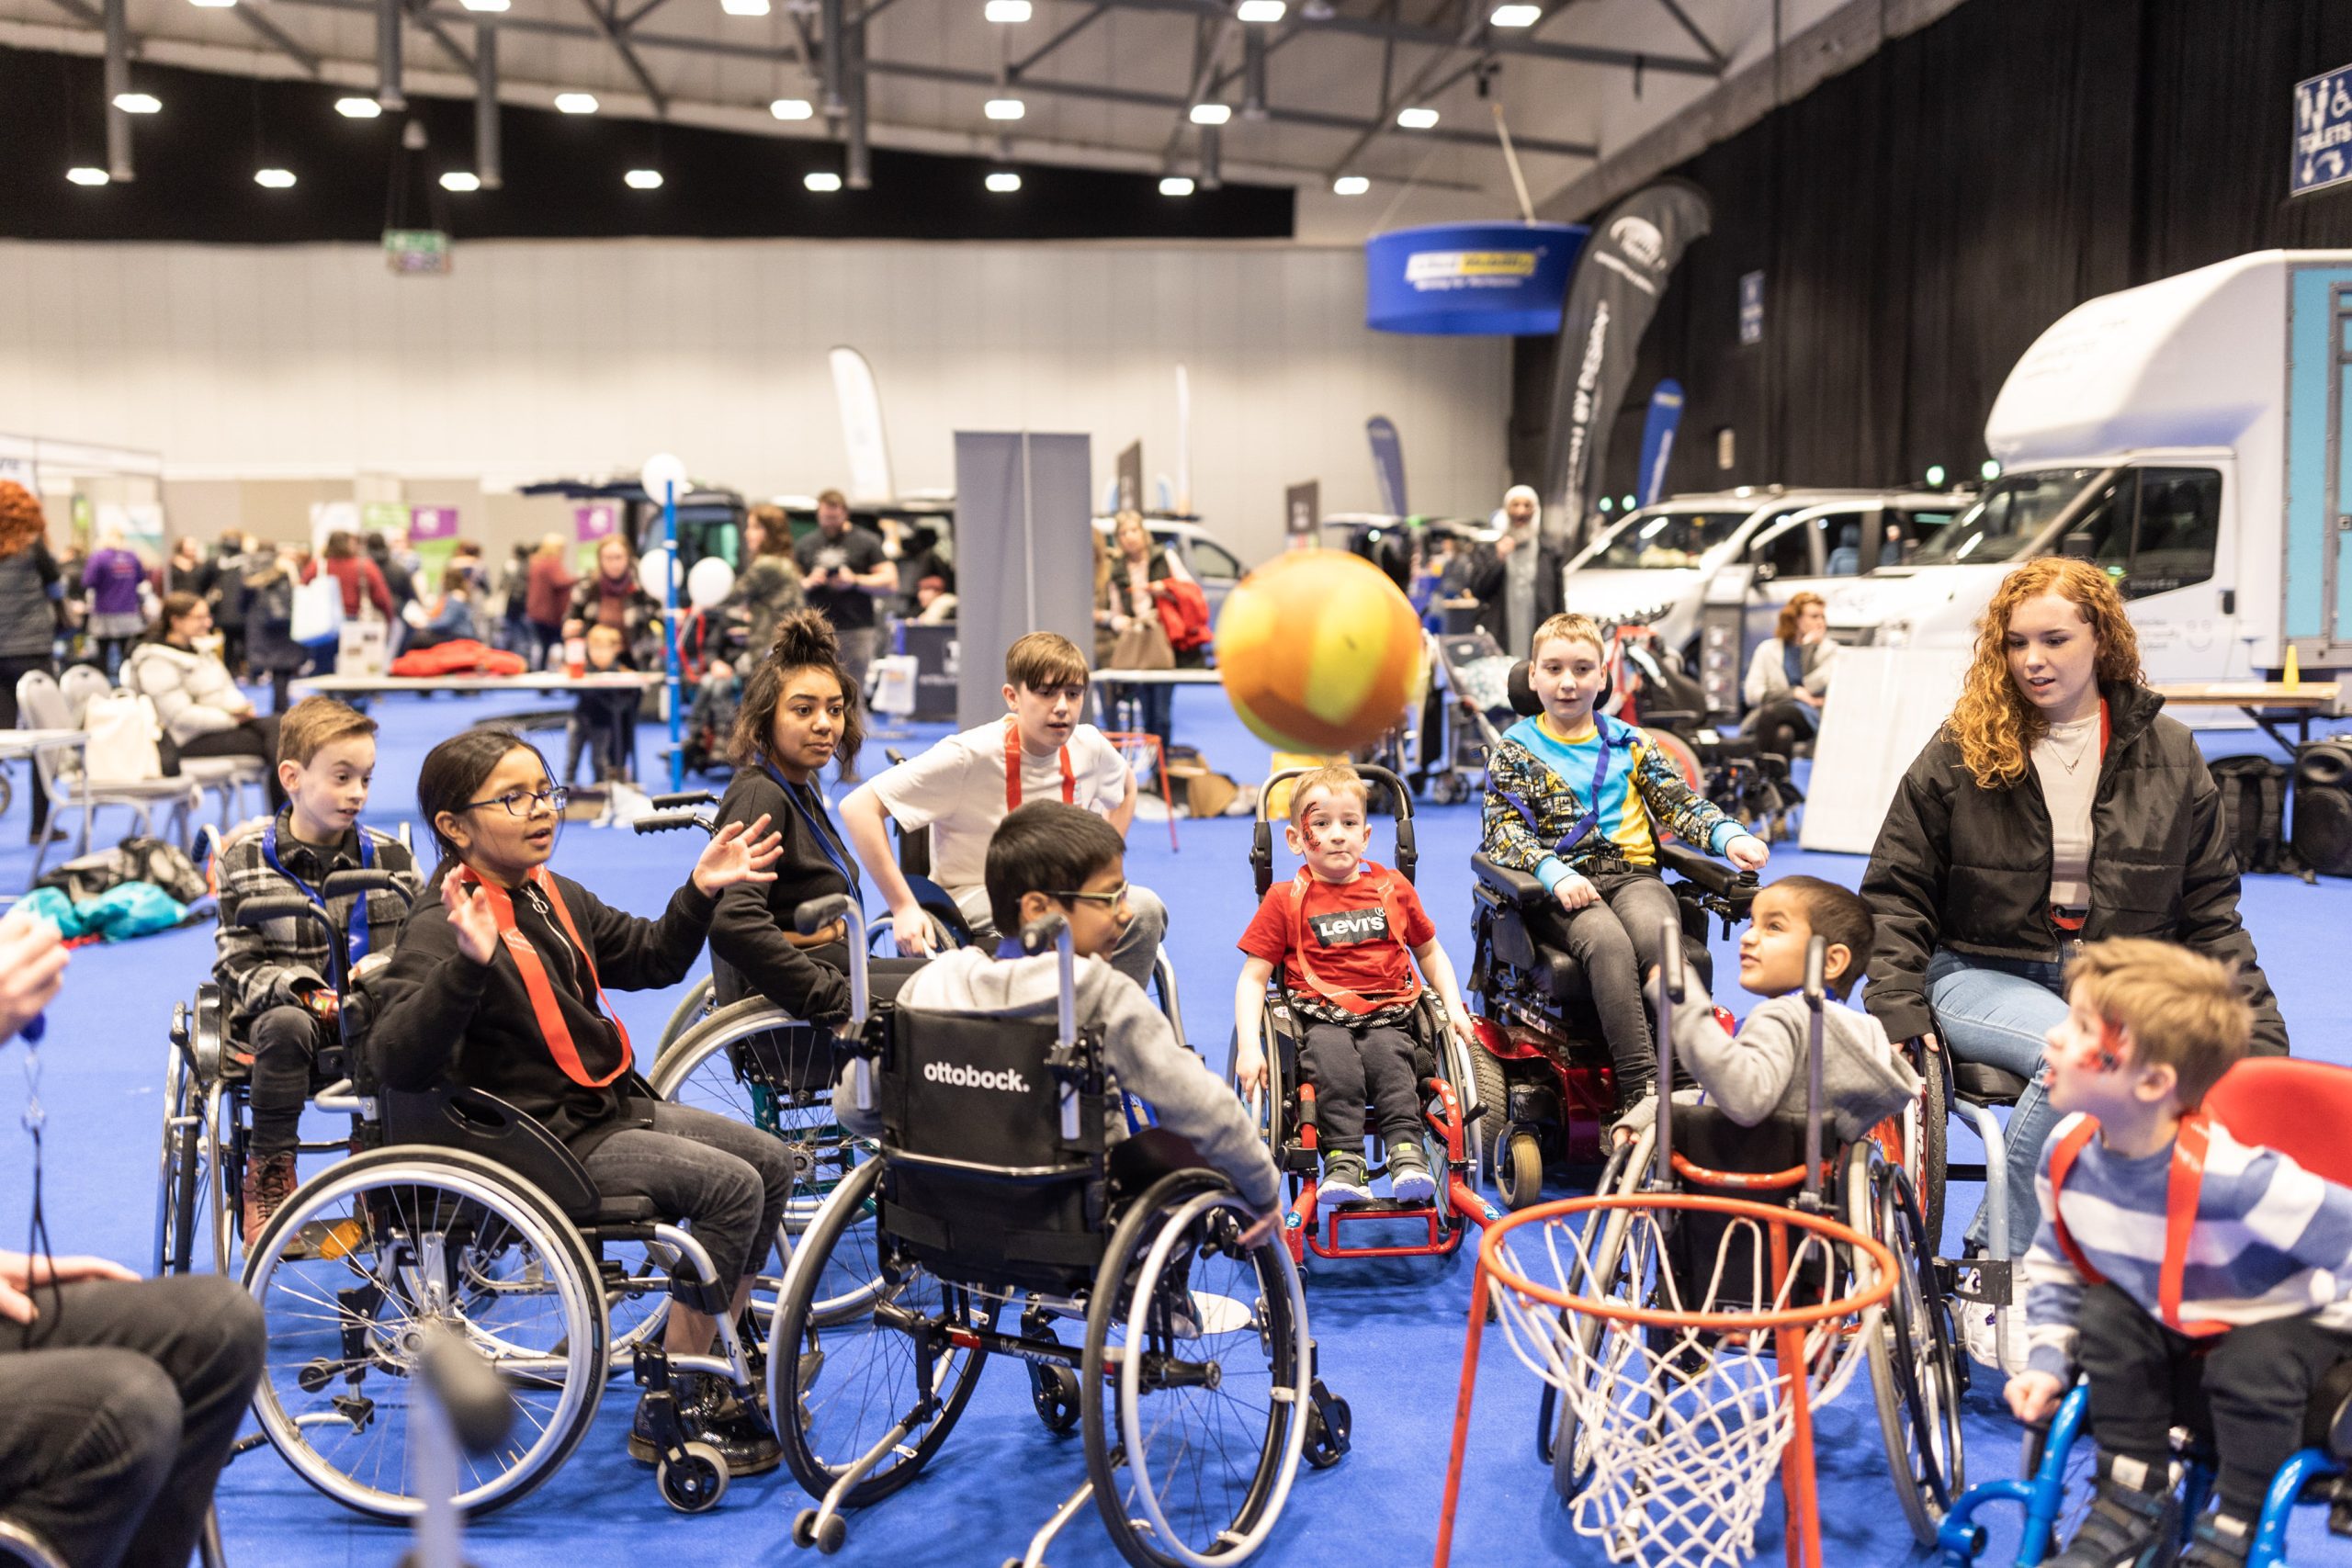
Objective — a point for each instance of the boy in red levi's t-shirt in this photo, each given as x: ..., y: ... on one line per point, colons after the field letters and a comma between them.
x: 1340, y: 932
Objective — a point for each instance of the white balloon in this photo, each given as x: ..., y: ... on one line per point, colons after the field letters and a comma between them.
x: 662, y: 471
x: 708, y: 581
x: 653, y: 572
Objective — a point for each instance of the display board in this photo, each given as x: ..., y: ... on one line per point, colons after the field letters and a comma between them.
x: 1884, y: 706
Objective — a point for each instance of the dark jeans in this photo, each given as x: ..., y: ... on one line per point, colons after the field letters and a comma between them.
x: 604, y: 723
x: 117, y: 1405
x: 2249, y: 1387
x: 726, y: 1179
x: 14, y: 668
x: 1616, y: 939
x: 286, y: 1042
x: 256, y: 738
x: 1781, y: 725
x: 540, y: 641
x: 1350, y: 1067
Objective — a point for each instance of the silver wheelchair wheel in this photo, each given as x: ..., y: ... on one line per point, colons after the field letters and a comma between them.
x: 691, y: 1008
x: 706, y: 1069
x: 1196, y: 1378
x: 1912, y: 1374
x: 181, y: 1174
x: 394, y: 1238
x: 838, y: 1388
x: 1624, y: 1268
x: 224, y: 1189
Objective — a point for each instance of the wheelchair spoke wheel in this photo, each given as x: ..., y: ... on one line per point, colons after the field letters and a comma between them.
x: 689, y: 1011
x: 1626, y: 1268
x: 1913, y: 1376
x: 180, y: 1177
x: 839, y: 1384
x: 1935, y: 1128
x: 359, y: 1259
x: 224, y: 1181
x: 752, y: 1062
x: 1196, y: 1381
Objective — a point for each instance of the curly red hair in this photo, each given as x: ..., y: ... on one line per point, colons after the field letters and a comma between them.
x: 1993, y: 723
x: 22, y: 518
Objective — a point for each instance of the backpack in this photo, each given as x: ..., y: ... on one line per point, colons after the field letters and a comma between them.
x: 2324, y: 809
x: 2254, y: 812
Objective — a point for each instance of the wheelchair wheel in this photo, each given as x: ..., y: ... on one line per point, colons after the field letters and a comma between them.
x: 1624, y: 1267
x: 1912, y: 1371
x: 1197, y: 1381
x: 224, y: 1189
x: 180, y: 1180
x: 1519, y: 1171
x: 1935, y: 1126
x: 716, y: 1066
x: 394, y: 1238
x: 1493, y: 1130
x: 691, y: 1009
x: 837, y: 1388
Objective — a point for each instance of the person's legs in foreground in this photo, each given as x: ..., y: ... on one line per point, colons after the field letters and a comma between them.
x: 2258, y: 1382
x: 1330, y: 1058
x: 1999, y: 1016
x: 118, y: 1406
x: 285, y: 1043
x: 2142, y: 1378
x: 1139, y: 943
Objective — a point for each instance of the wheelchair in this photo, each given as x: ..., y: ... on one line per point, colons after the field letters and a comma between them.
x: 456, y: 1211
x: 1917, y: 1374
x: 2299, y: 1107
x: 1192, y: 1384
x: 1284, y: 1109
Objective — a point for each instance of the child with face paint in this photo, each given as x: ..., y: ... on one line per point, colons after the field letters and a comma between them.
x: 2176, y: 1268
x: 1340, y: 934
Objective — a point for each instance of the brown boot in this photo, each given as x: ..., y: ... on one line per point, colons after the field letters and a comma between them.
x: 269, y: 1181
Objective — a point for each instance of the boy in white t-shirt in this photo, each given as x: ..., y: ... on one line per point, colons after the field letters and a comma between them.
x: 964, y: 786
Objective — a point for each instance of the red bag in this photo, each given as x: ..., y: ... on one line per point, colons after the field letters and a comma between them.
x: 1183, y: 613
x: 462, y: 657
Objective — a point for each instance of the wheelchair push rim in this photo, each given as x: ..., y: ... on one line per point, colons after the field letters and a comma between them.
x: 1914, y: 1382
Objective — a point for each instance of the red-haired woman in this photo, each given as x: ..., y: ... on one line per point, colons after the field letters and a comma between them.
x: 30, y: 589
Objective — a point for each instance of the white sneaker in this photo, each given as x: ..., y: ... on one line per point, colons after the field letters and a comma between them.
x: 1991, y: 1342
x: 1343, y: 1182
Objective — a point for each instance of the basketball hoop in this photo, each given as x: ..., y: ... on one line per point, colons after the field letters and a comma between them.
x: 1684, y: 1393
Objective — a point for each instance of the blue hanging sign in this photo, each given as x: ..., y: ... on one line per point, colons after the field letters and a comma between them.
x: 1657, y: 438
x: 1471, y: 279
x: 2321, y: 152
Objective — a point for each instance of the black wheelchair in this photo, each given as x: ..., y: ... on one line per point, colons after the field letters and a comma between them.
x: 993, y: 1192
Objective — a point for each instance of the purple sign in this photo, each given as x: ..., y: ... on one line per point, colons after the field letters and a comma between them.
x: 426, y: 524
x: 597, y: 520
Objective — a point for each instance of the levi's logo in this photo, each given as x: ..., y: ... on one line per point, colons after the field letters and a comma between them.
x: 1007, y: 1081
x: 1345, y: 928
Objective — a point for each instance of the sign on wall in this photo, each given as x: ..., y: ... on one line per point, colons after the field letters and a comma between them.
x: 416, y: 253
x: 1751, y: 308
x: 2321, y: 151
x: 1302, y: 509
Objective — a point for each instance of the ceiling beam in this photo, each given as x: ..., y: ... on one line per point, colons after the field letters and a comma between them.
x: 277, y: 38
x: 1012, y: 72
x: 608, y: 25
x: 1501, y: 42
x: 1473, y: 23
x: 432, y: 28
x: 1706, y: 45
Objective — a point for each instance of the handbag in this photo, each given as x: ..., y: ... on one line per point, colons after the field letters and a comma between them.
x: 1143, y: 644
x: 317, y: 612
x: 122, y: 747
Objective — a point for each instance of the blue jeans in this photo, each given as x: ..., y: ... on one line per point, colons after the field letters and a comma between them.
x: 1996, y: 1011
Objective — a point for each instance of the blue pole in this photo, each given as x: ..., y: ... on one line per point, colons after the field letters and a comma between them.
x: 670, y: 638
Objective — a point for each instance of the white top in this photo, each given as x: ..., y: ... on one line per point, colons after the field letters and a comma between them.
x: 957, y: 789
x: 2066, y: 760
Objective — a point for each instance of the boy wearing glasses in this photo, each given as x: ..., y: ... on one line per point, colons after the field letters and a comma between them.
x: 1050, y: 858
x: 274, y: 981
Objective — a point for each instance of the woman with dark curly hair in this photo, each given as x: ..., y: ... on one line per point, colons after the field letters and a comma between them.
x: 2056, y: 806
x: 29, y: 589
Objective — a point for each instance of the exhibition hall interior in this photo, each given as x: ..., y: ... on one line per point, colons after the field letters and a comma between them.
x: 1175, y: 783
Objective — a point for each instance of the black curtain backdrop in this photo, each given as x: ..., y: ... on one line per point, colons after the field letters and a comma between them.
x: 196, y: 161
x: 1921, y: 219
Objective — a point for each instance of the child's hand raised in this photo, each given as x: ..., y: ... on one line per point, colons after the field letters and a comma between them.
x: 740, y: 852
x: 1748, y: 851
x: 472, y: 920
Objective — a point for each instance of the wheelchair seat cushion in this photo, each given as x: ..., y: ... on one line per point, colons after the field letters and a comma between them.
x: 1986, y: 1084
x: 624, y: 1209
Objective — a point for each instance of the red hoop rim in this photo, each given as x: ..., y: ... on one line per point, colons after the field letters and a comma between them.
x: 1490, y: 1261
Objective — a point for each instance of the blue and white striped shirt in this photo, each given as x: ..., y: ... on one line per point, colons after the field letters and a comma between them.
x: 2272, y: 1240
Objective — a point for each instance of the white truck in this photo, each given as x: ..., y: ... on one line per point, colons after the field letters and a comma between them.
x: 2188, y: 436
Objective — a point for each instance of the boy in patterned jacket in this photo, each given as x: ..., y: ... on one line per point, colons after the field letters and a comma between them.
x: 1571, y: 794
x: 274, y: 982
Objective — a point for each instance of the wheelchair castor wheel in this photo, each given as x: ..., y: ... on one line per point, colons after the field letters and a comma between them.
x: 1329, y: 1424
x: 1054, y: 1391
x: 827, y: 1539
x: 1519, y: 1178
x: 314, y: 1376
x: 694, y: 1480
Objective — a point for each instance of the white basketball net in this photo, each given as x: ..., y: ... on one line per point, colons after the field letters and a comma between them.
x: 1683, y: 1428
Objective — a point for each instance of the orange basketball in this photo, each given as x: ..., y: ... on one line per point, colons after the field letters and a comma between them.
x: 1320, y: 651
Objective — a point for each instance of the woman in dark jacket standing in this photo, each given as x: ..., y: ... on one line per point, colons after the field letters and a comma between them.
x: 29, y: 589
x: 266, y: 591
x: 2056, y: 806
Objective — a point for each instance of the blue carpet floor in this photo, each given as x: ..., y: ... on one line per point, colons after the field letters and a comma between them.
x: 1391, y: 1331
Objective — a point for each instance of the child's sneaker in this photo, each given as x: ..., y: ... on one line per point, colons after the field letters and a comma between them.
x: 2128, y: 1526
x: 1409, y: 1180
x: 1343, y: 1180
x: 2222, y: 1541
x: 1982, y: 1337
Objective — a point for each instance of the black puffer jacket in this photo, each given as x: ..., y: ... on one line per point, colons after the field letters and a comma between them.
x: 1968, y: 869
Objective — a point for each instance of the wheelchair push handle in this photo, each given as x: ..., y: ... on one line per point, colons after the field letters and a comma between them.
x: 683, y: 798
x: 481, y: 1410
x: 364, y: 880
x: 814, y: 915
x: 1053, y: 928
x: 1816, y: 968
x: 671, y: 821
x: 1672, y: 988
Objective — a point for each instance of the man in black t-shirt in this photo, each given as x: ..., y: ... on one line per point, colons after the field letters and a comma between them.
x: 844, y: 569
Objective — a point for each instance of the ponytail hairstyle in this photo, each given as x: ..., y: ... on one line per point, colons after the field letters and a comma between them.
x: 804, y: 640
x: 453, y: 774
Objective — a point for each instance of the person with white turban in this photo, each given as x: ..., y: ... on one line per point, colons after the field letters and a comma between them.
x: 1518, y: 586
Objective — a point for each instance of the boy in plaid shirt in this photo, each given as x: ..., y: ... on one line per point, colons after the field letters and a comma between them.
x: 275, y: 981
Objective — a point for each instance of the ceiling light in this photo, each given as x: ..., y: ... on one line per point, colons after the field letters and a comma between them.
x: 484, y: 5
x: 643, y: 179
x: 1006, y: 108
x: 274, y: 179
x: 1176, y: 185
x: 213, y: 5
x: 1516, y: 16
x: 1259, y: 11
x: 1350, y: 184
x: 822, y: 180
x: 576, y: 103
x: 792, y: 109
x: 462, y: 181
x: 1416, y: 118
x: 86, y: 175
x: 1004, y: 181
x: 358, y: 108
x: 744, y: 7
x: 1007, y: 10
x: 137, y: 103
x: 1212, y: 114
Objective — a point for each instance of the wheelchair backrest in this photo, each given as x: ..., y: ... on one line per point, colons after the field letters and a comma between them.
x: 2299, y: 1108
x: 979, y: 1092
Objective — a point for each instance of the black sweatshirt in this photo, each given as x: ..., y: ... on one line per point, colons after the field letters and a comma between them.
x: 443, y: 1014
x: 747, y: 947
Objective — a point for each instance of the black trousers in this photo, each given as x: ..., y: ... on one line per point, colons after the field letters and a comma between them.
x: 117, y: 1405
x: 2249, y: 1387
x: 1349, y: 1067
x: 256, y: 736
x: 1781, y: 725
x: 1616, y: 939
x: 13, y: 668
x: 285, y: 1041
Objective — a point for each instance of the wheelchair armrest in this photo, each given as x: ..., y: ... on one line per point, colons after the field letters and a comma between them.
x: 1720, y: 878
x: 1514, y: 886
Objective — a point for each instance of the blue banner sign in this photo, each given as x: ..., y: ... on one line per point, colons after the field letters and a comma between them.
x: 2321, y: 149
x: 1657, y: 438
x: 1470, y: 279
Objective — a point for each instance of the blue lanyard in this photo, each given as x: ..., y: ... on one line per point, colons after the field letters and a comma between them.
x: 821, y: 828
x: 359, y: 933
x: 1591, y: 818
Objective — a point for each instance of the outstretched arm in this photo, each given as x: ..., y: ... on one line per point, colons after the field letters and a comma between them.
x: 867, y: 826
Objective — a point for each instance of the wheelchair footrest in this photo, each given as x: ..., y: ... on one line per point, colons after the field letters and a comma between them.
x: 1393, y: 1212
x: 1987, y: 1281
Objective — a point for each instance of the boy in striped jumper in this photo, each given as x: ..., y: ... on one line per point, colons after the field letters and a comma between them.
x: 2183, y: 1301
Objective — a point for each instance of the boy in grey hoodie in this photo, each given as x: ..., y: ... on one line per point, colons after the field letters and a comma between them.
x: 1047, y: 857
x: 1761, y: 1070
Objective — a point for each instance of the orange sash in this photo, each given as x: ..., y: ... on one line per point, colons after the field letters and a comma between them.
x: 2181, y: 1187
x: 1013, y: 769
x: 552, y: 1029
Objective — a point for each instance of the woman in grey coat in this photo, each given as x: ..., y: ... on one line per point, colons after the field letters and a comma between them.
x: 29, y: 589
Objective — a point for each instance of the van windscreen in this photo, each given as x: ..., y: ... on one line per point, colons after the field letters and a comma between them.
x: 2007, y: 517
x: 1648, y: 541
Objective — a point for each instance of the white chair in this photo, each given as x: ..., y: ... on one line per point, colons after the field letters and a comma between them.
x: 81, y: 683
x: 40, y: 705
x: 228, y: 777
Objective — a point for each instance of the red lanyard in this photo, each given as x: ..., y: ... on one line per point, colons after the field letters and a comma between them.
x: 1392, y: 903
x: 1013, y: 769
x: 2181, y: 1185
x: 552, y: 1029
